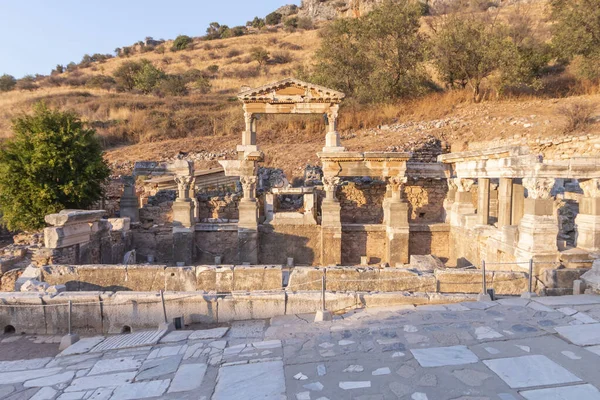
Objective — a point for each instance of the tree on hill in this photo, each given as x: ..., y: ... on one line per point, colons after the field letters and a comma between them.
x: 148, y: 77
x: 125, y: 74
x: 260, y: 55
x: 577, y: 33
x: 470, y: 48
x: 52, y: 163
x: 376, y: 57
x: 257, y: 23
x: 181, y: 42
x: 273, y: 19
x: 7, y: 83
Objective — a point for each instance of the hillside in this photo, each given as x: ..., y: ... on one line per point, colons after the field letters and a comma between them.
x: 135, y: 126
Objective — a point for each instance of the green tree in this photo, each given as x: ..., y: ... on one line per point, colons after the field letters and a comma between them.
x: 172, y: 85
x: 7, y: 83
x: 576, y: 32
x: 257, y: 23
x: 52, y: 163
x: 148, y: 77
x: 181, y: 42
x: 260, y: 55
x: 273, y: 19
x: 125, y: 74
x: 375, y: 57
x: 470, y: 48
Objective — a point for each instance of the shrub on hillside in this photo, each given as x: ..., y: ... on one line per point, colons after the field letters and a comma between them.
x: 213, y: 69
x: 273, y: 19
x: 100, y: 82
x: 172, y: 85
x: 233, y: 53
x: 26, y: 83
x: 7, y: 83
x: 181, y: 42
x: 257, y: 23
x: 125, y: 74
x: 148, y: 77
x: 305, y: 24
x: 281, y: 57
x: 579, y: 115
x: 203, y: 84
x: 52, y: 163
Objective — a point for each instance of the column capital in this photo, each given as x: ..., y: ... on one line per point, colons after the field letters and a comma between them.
x: 538, y: 188
x: 330, y: 184
x: 451, y: 184
x: 184, y: 183
x: 590, y: 187
x: 249, y: 186
x: 395, y: 185
x: 463, y: 185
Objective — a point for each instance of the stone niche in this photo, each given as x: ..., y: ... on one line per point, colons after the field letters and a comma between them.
x: 304, y: 215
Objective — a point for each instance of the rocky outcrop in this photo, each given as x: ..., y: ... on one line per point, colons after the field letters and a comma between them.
x: 325, y: 10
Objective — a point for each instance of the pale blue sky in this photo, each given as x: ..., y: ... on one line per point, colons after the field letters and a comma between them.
x: 35, y: 35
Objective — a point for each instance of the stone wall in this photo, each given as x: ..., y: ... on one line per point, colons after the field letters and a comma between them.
x: 156, y: 242
x: 430, y: 239
x: 426, y: 198
x: 561, y: 147
x: 219, y: 207
x: 108, y: 313
x: 363, y: 241
x: 302, y: 242
x: 217, y: 241
x: 362, y: 202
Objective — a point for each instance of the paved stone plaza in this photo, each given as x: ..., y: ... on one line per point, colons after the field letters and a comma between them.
x: 546, y: 349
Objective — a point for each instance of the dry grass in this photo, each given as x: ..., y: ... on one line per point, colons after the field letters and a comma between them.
x: 578, y: 115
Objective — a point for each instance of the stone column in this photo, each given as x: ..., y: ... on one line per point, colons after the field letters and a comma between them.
x: 396, y: 221
x: 463, y: 203
x: 248, y: 222
x: 538, y: 229
x: 332, y: 139
x: 183, y: 214
x: 331, y: 224
x: 483, y: 206
x: 494, y: 201
x: 587, y: 222
x: 249, y: 135
x: 505, y: 202
x: 449, y: 200
x: 518, y: 203
x: 129, y: 204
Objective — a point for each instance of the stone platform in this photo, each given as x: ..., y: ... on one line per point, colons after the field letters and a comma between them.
x: 509, y: 349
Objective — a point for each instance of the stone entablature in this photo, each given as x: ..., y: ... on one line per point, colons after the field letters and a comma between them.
x: 517, y: 162
x: 373, y: 164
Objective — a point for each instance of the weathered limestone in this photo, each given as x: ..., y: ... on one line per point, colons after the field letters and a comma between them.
x: 290, y: 96
x: 71, y: 227
x: 248, y: 222
x: 183, y: 207
x: 505, y: 202
x: 518, y: 203
x: 462, y: 204
x: 129, y: 204
x: 538, y: 229
x: 588, y: 219
x: 396, y: 221
x: 449, y: 200
x: 184, y: 219
x: 331, y: 225
x: 307, y: 216
x: 483, y: 206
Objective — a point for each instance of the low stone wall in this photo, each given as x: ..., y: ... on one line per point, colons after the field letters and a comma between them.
x: 430, y: 239
x: 363, y: 241
x: 278, y: 242
x: 102, y: 312
x: 229, y: 279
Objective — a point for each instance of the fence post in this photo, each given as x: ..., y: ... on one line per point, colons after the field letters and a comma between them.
x: 162, y: 299
x: 323, y: 314
x: 484, y: 280
x: 484, y: 295
x: 530, y: 275
x: 323, y: 293
x: 70, y: 312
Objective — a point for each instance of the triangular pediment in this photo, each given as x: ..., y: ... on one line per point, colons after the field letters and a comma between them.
x: 291, y: 91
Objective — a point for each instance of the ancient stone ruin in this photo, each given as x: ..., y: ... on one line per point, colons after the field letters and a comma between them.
x: 369, y: 228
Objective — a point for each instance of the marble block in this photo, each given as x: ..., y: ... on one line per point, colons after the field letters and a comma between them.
x: 256, y: 381
x: 581, y: 335
x: 530, y: 371
x: 442, y: 356
x: 578, y: 392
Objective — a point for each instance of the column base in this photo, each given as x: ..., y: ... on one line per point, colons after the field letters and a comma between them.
x: 183, y: 213
x: 458, y: 210
x: 397, y: 246
x: 333, y: 149
x: 248, y: 246
x: 331, y: 245
x: 537, y: 238
x: 588, y: 232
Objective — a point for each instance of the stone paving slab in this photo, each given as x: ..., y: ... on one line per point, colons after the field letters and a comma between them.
x: 512, y: 349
